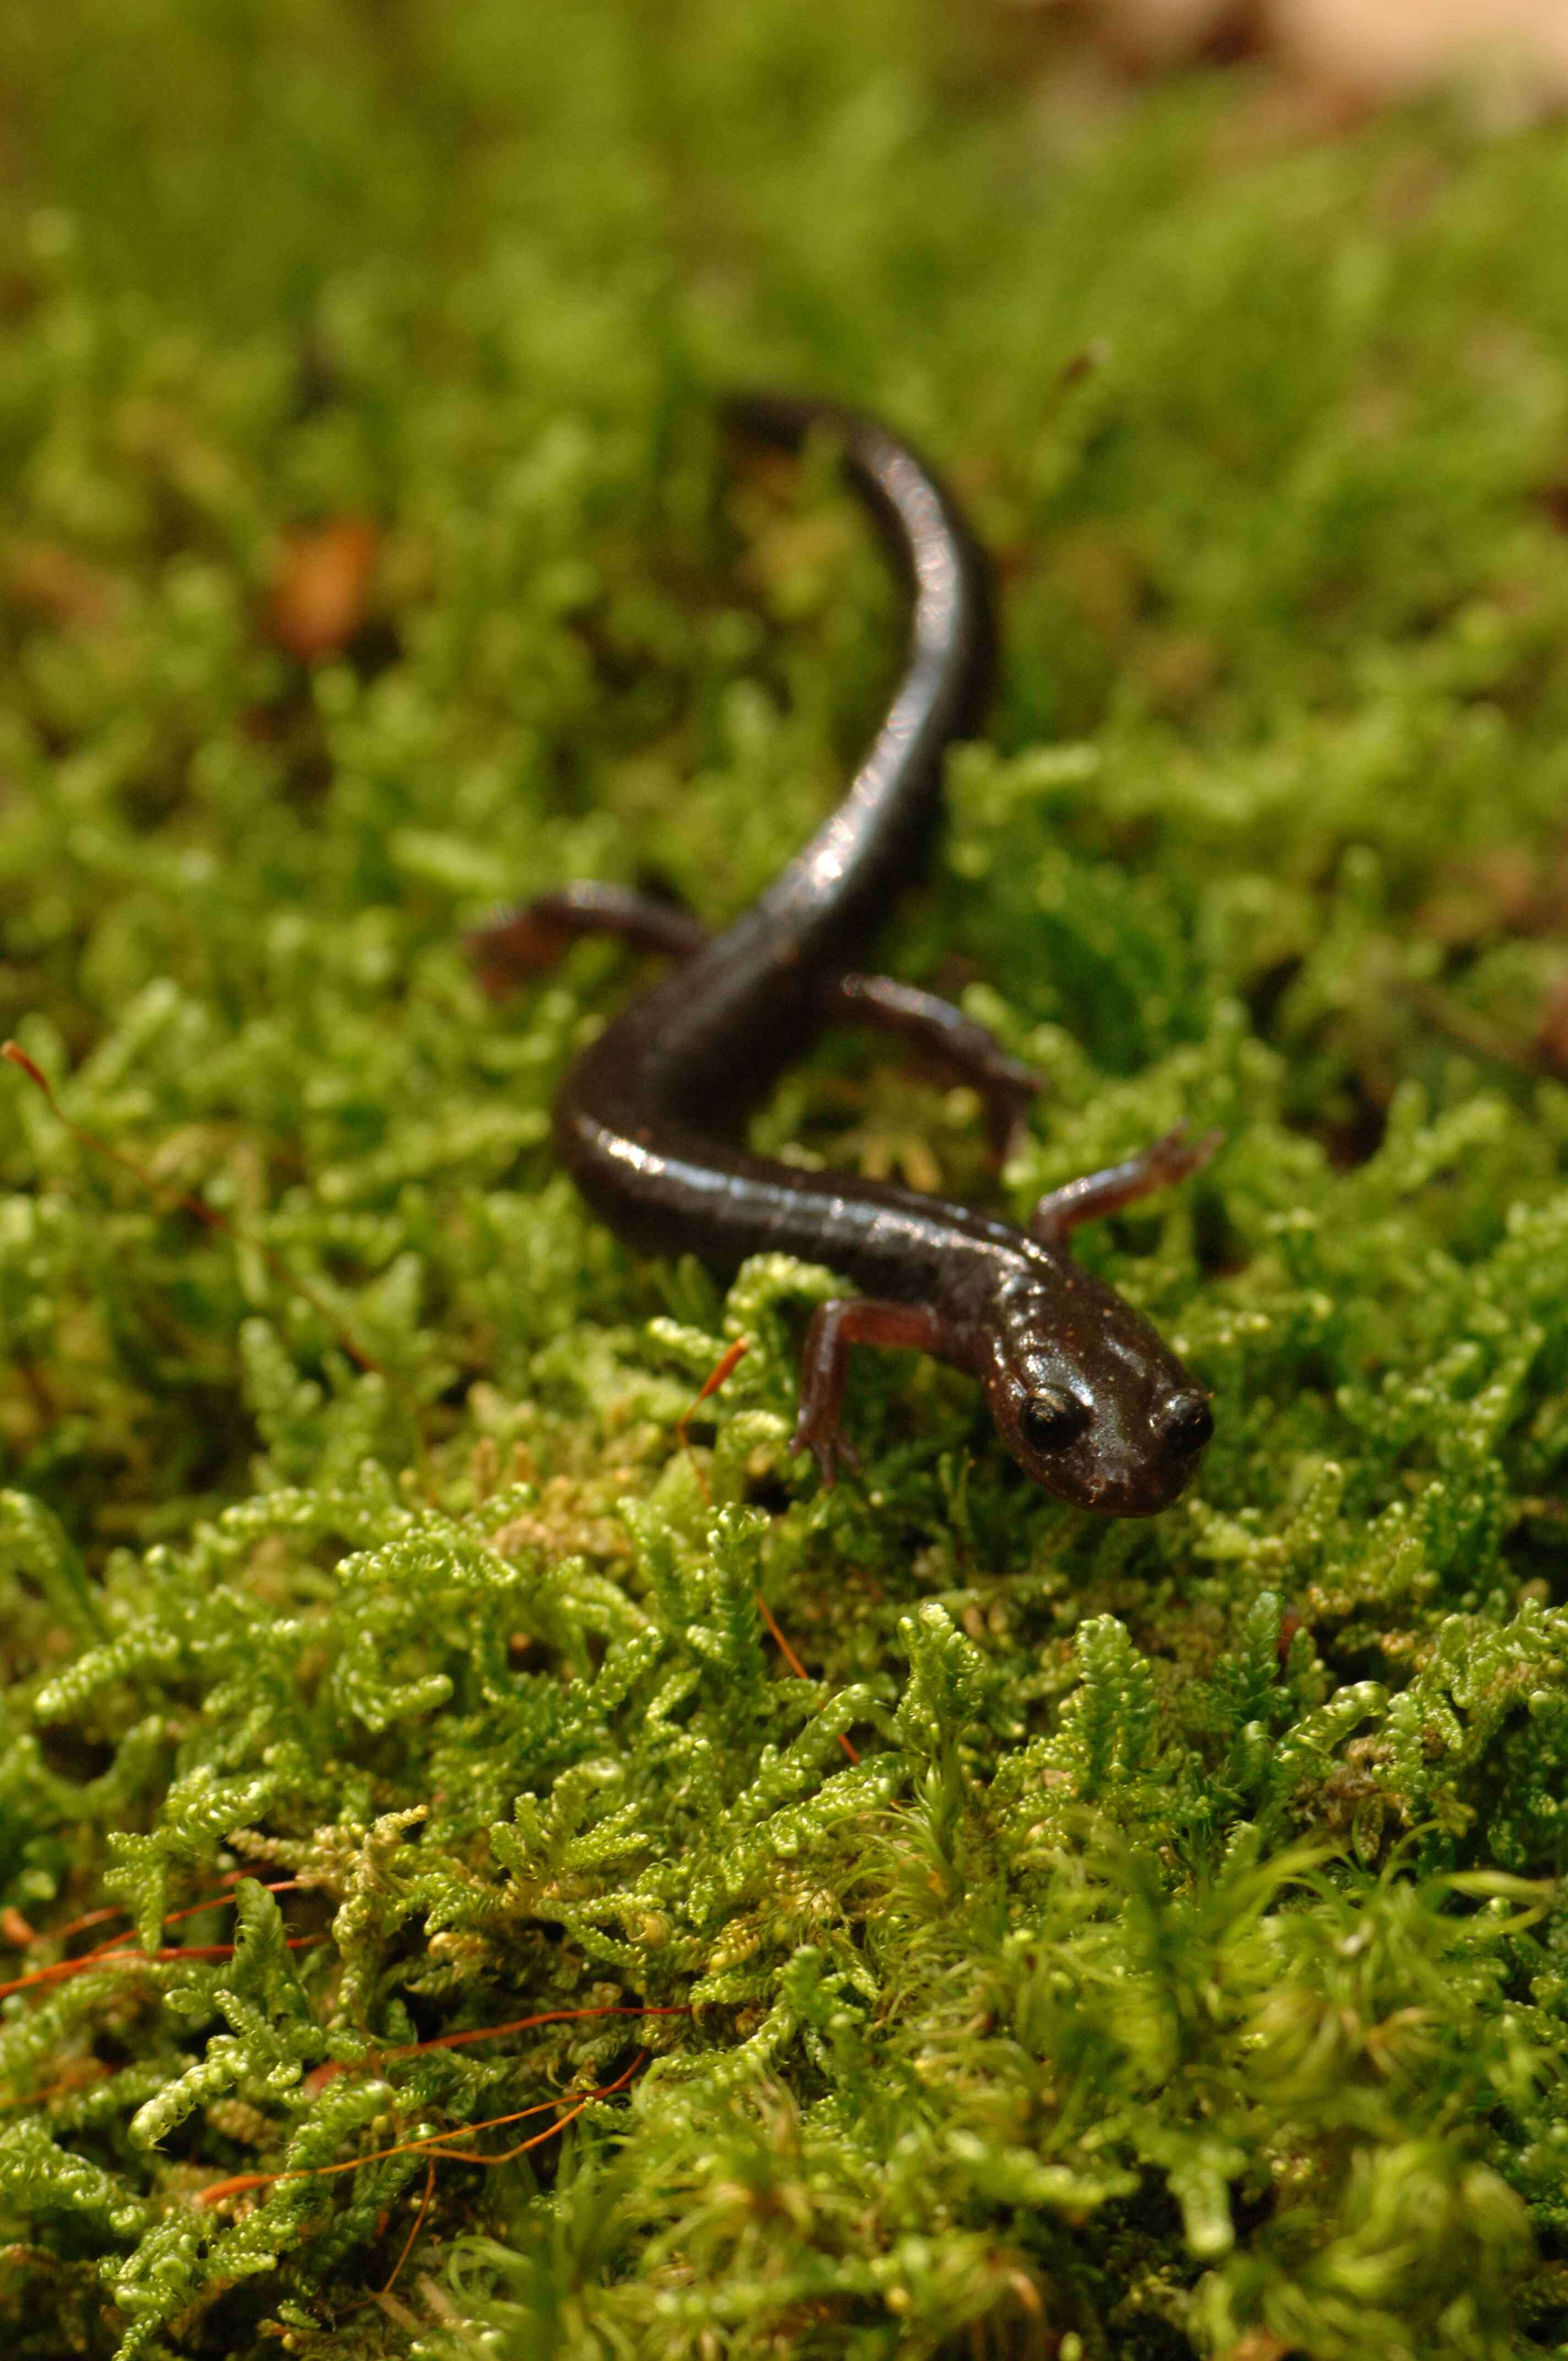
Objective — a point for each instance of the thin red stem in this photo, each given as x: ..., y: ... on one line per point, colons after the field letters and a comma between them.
x: 715, y: 1377
x: 63, y: 1969
x: 433, y: 2142
x: 419, y: 2224
x: 793, y: 1660
x: 521, y: 2025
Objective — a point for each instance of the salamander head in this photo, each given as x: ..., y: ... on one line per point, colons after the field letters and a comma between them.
x: 1086, y: 1397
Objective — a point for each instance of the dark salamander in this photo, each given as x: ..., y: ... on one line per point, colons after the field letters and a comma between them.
x: 1086, y: 1397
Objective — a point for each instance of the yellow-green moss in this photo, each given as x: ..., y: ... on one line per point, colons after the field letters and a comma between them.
x: 1180, y: 1969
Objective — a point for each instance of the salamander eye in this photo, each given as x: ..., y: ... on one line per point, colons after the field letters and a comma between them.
x: 1050, y: 1420
x: 1185, y: 1421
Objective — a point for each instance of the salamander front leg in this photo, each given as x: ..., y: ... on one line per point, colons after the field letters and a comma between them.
x: 850, y: 1319
x: 1057, y: 1214
x: 537, y: 934
x: 944, y: 1032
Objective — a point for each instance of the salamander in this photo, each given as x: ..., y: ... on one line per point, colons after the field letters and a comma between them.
x: 1084, y: 1394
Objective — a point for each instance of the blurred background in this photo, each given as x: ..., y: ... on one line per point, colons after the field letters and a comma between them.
x: 367, y: 556
x: 237, y: 154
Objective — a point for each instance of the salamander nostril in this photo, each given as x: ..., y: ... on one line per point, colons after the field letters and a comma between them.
x: 1185, y: 1421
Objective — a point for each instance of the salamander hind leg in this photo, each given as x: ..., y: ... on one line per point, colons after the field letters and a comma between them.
x: 834, y: 1327
x: 1057, y: 1214
x: 536, y: 935
x: 1005, y: 1084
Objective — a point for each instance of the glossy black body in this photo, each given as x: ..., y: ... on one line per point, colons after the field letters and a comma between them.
x: 645, y: 1120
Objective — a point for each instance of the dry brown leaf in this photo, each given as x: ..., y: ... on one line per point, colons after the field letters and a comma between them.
x: 321, y: 593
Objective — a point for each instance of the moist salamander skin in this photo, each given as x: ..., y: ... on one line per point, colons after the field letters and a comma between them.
x: 1084, y: 1393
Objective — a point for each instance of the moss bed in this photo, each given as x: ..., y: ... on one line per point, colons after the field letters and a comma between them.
x: 1179, y: 1967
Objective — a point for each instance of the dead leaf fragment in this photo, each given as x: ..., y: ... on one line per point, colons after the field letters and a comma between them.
x: 321, y: 593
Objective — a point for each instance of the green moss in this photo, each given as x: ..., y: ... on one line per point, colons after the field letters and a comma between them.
x: 1180, y: 1968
